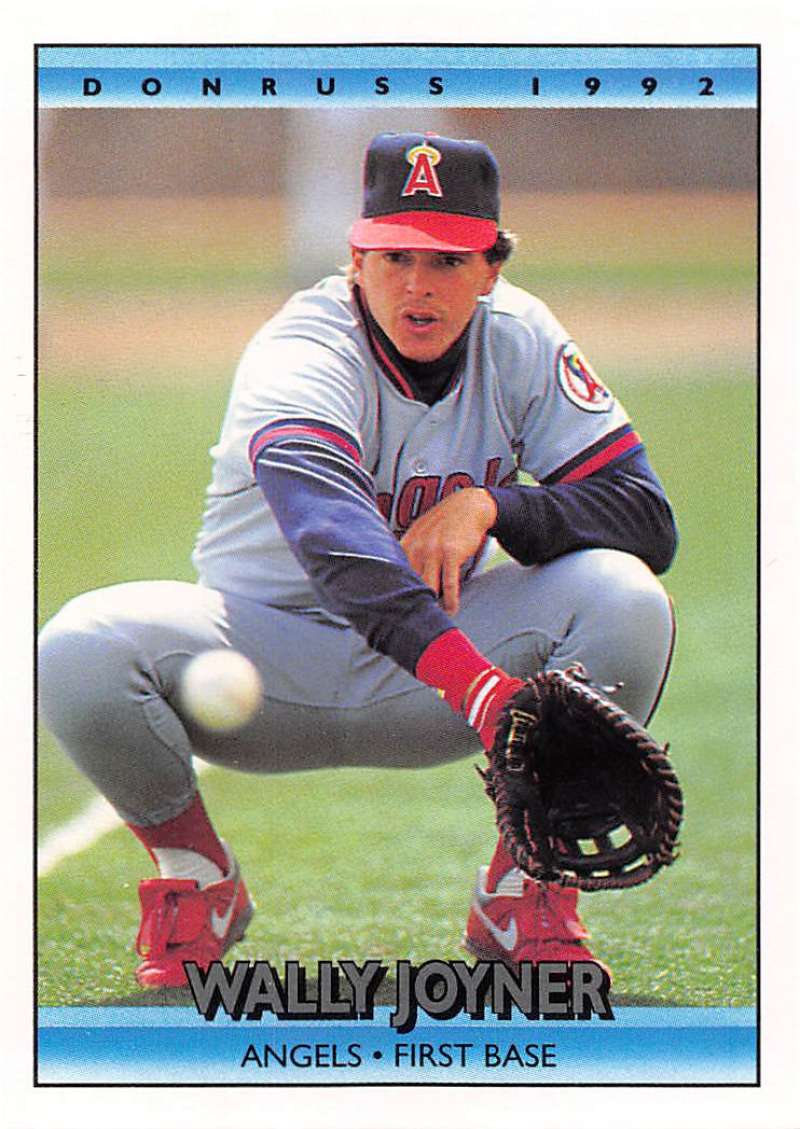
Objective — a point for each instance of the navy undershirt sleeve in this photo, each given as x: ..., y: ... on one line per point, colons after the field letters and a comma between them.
x: 325, y: 506
x: 622, y: 506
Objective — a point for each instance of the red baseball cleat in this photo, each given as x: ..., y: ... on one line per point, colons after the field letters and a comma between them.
x: 525, y: 920
x: 182, y: 921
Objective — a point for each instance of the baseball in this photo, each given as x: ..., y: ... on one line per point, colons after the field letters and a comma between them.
x: 221, y: 690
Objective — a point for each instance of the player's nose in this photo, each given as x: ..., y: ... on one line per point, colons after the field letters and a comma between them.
x: 419, y: 278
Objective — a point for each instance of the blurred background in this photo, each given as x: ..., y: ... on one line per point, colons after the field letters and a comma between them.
x: 166, y: 238
x: 167, y: 235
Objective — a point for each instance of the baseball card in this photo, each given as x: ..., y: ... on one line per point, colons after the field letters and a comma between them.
x: 397, y: 416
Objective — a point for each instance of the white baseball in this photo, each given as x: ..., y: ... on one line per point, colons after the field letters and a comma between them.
x: 221, y: 689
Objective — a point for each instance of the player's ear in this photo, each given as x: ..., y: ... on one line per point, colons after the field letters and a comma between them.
x: 492, y: 271
x: 357, y: 258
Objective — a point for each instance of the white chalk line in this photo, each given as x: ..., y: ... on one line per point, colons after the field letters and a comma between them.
x: 83, y: 831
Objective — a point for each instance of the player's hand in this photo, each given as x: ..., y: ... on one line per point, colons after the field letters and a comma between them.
x: 441, y: 540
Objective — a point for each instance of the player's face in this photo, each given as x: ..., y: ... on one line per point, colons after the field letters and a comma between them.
x: 422, y: 300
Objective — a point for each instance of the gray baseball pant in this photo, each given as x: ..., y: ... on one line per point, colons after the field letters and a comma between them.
x: 110, y: 664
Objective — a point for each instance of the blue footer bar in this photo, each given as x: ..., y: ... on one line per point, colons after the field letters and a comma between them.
x: 178, y: 1046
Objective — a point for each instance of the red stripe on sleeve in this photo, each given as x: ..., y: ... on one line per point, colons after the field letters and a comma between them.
x: 316, y: 432
x: 602, y: 458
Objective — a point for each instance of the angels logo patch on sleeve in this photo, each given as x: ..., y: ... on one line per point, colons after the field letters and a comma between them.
x: 579, y: 382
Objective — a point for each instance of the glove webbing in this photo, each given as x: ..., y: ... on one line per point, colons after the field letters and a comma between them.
x: 521, y: 818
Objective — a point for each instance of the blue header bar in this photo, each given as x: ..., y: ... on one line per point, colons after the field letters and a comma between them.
x: 377, y: 77
x: 397, y: 56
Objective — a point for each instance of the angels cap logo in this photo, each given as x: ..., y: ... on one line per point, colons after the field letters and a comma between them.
x: 579, y: 382
x: 405, y: 207
x: 422, y: 178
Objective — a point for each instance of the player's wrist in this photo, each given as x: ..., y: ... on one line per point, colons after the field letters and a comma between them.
x: 490, y: 507
x: 470, y: 684
x: 450, y: 664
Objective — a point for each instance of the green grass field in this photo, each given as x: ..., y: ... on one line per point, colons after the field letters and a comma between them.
x: 368, y: 863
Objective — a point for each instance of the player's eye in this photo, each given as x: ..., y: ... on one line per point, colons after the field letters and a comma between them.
x: 451, y: 260
x: 397, y: 257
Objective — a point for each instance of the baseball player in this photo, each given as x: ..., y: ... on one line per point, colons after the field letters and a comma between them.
x: 366, y: 468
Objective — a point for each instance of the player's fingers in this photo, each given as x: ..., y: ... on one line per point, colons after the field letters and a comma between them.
x: 451, y: 586
x: 431, y: 573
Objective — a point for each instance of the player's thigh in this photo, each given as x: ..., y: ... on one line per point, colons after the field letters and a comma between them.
x: 599, y: 607
x: 529, y: 611
x: 119, y: 649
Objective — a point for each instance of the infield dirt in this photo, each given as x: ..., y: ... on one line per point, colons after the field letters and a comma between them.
x: 174, y: 288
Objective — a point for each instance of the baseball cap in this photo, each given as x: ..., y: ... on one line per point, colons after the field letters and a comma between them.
x: 423, y: 192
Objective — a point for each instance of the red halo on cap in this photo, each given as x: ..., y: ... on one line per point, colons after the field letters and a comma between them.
x: 423, y: 231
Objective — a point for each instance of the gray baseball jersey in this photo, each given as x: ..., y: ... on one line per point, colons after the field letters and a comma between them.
x: 525, y: 399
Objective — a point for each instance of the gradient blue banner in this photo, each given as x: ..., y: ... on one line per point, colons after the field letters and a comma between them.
x: 370, y: 55
x: 176, y: 1045
x: 392, y: 76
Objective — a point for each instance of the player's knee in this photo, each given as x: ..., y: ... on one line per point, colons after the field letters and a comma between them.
x: 629, y: 594
x: 644, y: 606
x: 82, y: 666
x: 623, y: 620
x: 630, y: 632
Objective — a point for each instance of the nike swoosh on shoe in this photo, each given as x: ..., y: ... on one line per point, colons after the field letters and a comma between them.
x: 506, y: 938
x: 221, y: 922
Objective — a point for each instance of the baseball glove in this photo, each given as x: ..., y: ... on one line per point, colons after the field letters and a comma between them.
x: 584, y: 796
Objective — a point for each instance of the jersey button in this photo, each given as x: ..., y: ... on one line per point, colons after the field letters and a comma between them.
x: 420, y: 467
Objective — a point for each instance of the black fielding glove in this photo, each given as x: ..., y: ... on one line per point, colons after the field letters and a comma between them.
x: 583, y: 794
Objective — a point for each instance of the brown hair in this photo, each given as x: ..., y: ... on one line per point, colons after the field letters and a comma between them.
x: 502, y: 248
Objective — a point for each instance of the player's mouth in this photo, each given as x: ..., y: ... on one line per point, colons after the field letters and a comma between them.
x: 419, y: 321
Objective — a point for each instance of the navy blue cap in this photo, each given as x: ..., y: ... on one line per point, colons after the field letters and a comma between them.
x: 423, y: 192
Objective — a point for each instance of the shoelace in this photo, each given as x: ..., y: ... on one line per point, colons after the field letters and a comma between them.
x: 553, y: 915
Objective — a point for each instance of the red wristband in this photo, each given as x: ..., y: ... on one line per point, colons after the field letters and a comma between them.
x: 451, y: 664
